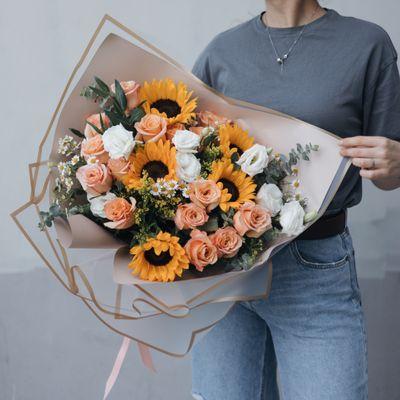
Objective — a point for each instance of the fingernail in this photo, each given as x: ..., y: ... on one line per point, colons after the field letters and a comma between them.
x: 340, y: 142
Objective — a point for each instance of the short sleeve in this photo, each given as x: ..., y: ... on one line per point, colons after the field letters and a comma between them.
x: 202, y: 67
x: 382, y: 104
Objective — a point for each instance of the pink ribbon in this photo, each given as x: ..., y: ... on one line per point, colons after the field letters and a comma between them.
x: 144, y: 354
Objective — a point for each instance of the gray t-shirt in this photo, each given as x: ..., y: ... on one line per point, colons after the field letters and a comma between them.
x: 341, y: 76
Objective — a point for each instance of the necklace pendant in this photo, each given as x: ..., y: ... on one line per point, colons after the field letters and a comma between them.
x: 279, y: 60
x: 285, y: 56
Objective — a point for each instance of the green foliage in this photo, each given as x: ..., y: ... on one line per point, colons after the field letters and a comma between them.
x: 295, y: 155
x: 113, y: 104
x: 47, y: 217
x: 207, y: 156
x: 247, y: 256
x: 77, y: 133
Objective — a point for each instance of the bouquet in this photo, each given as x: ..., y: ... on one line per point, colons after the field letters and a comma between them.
x: 183, y: 188
x: 168, y: 200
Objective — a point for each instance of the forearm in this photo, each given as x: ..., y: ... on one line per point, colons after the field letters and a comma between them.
x: 387, y: 183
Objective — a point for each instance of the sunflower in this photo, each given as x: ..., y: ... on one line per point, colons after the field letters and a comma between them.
x: 234, y: 139
x: 168, y: 100
x: 157, y: 159
x: 159, y: 259
x: 236, y: 186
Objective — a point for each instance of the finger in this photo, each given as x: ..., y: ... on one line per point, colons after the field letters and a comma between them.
x: 367, y: 141
x: 361, y: 152
x: 374, y: 173
x: 368, y: 163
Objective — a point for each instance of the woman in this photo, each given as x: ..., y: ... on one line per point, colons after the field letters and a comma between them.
x: 340, y: 74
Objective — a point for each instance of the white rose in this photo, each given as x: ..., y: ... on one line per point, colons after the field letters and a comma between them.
x: 254, y: 160
x: 291, y: 218
x: 118, y: 142
x: 97, y: 203
x: 188, y: 168
x: 270, y: 197
x: 186, y: 141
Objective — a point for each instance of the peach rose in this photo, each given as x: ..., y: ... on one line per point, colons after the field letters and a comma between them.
x: 227, y: 241
x: 208, y: 118
x: 205, y: 193
x: 200, y: 250
x: 94, y: 119
x: 118, y: 167
x: 94, y: 147
x: 190, y: 216
x: 120, y: 212
x: 131, y: 90
x: 196, y: 129
x: 173, y: 128
x: 95, y: 178
x: 252, y: 220
x: 151, y: 128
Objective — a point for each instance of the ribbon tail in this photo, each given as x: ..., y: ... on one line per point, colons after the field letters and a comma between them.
x: 146, y: 357
x: 117, y: 366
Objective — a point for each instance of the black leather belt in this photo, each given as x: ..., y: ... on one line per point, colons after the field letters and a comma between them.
x: 325, y: 227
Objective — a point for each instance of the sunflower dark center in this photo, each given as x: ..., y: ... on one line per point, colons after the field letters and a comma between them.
x: 155, y: 169
x: 168, y: 106
x: 162, y: 259
x: 231, y: 187
x: 238, y: 149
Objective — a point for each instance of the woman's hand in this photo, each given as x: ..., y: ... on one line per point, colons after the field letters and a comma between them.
x: 378, y: 157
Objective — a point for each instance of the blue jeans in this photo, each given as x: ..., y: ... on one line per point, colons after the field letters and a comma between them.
x: 310, y: 329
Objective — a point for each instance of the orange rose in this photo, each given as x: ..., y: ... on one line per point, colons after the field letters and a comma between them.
x: 227, y: 241
x: 200, y: 250
x: 120, y: 212
x: 118, y: 167
x: 196, y: 129
x: 95, y: 178
x: 95, y: 120
x: 173, y: 128
x: 151, y: 128
x: 131, y: 90
x: 94, y: 147
x: 208, y: 118
x: 205, y: 193
x: 190, y: 216
x: 252, y: 220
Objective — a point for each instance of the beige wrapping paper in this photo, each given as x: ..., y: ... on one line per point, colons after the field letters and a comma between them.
x: 165, y: 316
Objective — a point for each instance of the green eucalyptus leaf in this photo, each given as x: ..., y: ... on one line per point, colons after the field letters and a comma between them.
x: 211, y: 225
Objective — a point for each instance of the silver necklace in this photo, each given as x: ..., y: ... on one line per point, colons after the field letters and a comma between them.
x: 281, y: 59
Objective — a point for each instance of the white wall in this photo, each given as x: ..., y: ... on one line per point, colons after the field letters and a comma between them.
x: 40, y: 42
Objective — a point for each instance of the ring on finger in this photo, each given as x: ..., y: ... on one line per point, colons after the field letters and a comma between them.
x: 373, y: 164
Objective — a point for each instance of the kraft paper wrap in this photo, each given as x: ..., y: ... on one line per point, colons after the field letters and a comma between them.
x: 168, y: 317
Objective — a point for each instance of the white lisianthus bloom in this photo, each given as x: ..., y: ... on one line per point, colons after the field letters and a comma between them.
x: 186, y: 141
x: 269, y: 196
x: 118, y: 142
x: 97, y: 203
x: 254, y: 160
x: 292, y: 218
x: 188, y: 168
